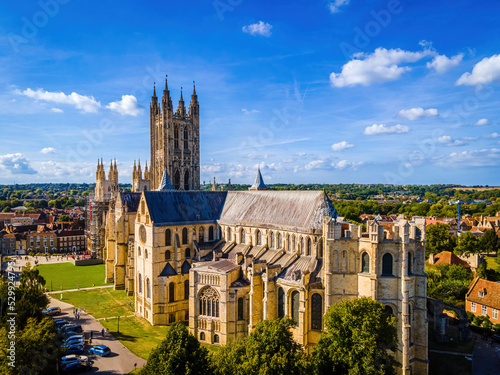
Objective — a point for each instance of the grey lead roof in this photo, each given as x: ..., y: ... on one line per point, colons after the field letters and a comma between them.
x: 259, y: 182
x: 165, y: 183
x: 130, y: 199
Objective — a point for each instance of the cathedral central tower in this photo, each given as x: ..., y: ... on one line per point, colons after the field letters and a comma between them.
x: 175, y: 141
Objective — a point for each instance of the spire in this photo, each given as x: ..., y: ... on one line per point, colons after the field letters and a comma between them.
x: 165, y: 183
x: 214, y: 186
x: 166, y: 84
x: 194, y: 90
x: 154, y: 90
x: 181, y: 110
x: 166, y: 101
x: 229, y: 187
x: 259, y: 182
x: 194, y: 107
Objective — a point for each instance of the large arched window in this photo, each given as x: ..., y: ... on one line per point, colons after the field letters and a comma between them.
x: 273, y: 240
x: 387, y: 265
x: 320, y: 249
x: 302, y: 249
x: 186, y: 289
x: 202, y: 336
x: 177, y: 180
x: 187, y: 253
x: 176, y: 137
x: 186, y: 138
x: 388, y: 310
x: 281, y: 303
x: 316, y: 311
x: 186, y: 180
x: 409, y: 263
x: 365, y: 263
x: 209, y: 302
x: 211, y: 233
x: 168, y: 238
x: 259, y: 238
x: 184, y: 236
x: 171, y: 292
x: 148, y: 288
x: 167, y: 255
x: 201, y: 235
x: 139, y: 281
x: 216, y: 339
x: 240, y: 308
x: 288, y: 243
x: 229, y: 234
x: 280, y: 241
x: 308, y: 250
x: 242, y: 236
x: 295, y: 306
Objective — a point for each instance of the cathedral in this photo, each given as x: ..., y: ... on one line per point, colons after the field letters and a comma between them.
x: 221, y: 261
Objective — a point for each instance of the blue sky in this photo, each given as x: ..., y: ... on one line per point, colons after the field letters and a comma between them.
x: 315, y: 91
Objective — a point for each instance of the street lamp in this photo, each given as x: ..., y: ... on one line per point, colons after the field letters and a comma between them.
x: 118, y: 330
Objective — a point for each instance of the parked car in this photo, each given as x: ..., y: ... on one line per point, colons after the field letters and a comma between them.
x: 74, y: 349
x: 73, y: 358
x: 77, y: 341
x: 101, y: 350
x: 71, y: 327
x: 69, y: 336
x: 56, y: 310
x: 77, y: 366
x: 61, y: 322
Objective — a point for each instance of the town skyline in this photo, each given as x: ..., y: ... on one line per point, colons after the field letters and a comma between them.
x: 336, y: 91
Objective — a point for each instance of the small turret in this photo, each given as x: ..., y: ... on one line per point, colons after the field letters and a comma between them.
x: 166, y: 101
x: 259, y: 182
x: 194, y: 107
x: 214, y: 186
x: 181, y: 109
x: 229, y: 187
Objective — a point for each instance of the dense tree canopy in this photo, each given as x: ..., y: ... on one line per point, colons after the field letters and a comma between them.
x: 467, y: 244
x: 356, y: 340
x: 438, y: 239
x: 448, y: 283
x: 489, y: 242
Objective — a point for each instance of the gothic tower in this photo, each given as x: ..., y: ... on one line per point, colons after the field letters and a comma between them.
x: 175, y: 141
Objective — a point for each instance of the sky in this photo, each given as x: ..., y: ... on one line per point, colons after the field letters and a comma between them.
x: 317, y: 91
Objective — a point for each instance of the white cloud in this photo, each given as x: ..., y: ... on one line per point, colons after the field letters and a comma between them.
x: 127, y: 106
x: 56, y: 110
x: 449, y: 141
x: 444, y: 139
x: 344, y: 164
x: 492, y: 135
x: 416, y: 113
x: 341, y: 146
x: 317, y: 164
x: 85, y: 103
x: 48, y: 150
x: 485, y: 71
x: 379, y: 66
x: 259, y: 28
x: 249, y: 111
x: 481, y: 122
x: 471, y: 158
x: 16, y: 164
x: 442, y: 63
x: 384, y: 129
x: 336, y: 4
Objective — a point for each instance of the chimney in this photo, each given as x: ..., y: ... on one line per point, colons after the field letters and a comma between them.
x: 431, y: 259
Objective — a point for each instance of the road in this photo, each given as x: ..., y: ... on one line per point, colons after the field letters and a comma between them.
x: 486, y: 360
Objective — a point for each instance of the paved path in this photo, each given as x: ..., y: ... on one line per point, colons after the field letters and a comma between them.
x: 486, y: 360
x: 76, y: 290
x: 121, y: 360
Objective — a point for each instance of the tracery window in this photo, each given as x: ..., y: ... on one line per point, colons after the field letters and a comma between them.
x: 281, y: 303
x: 365, y: 263
x: 259, y: 238
x: 186, y: 138
x: 387, y: 265
x: 209, y: 302
x: 316, y: 311
x: 168, y: 238
x: 295, y: 306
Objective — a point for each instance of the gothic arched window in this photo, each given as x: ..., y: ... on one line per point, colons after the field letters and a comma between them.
x: 186, y: 289
x: 387, y: 265
x: 409, y: 263
x: 167, y: 255
x: 176, y: 137
x: 280, y: 240
x: 293, y: 243
x: 229, y: 234
x: 186, y: 180
x: 168, y: 237
x: 171, y: 292
x: 211, y: 233
x: 281, y: 303
x: 308, y: 250
x: 259, y: 238
x: 187, y: 253
x: 295, y: 306
x: 242, y: 240
x: 184, y: 236
x: 320, y: 249
x: 201, y: 235
x: 365, y: 263
x: 186, y: 138
x: 148, y: 288
x: 202, y: 336
x: 240, y: 308
x: 316, y: 311
x: 209, y: 302
x: 139, y: 281
x: 302, y: 250
x: 288, y: 243
x: 272, y: 240
x: 177, y: 180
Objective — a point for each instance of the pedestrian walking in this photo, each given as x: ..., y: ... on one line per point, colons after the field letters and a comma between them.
x: 102, y: 332
x: 78, y: 286
x: 107, y: 331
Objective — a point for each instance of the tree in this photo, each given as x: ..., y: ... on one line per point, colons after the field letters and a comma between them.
x: 481, y: 271
x: 467, y: 244
x: 30, y: 296
x: 179, y: 353
x: 357, y: 340
x: 438, y: 239
x: 269, y: 350
x: 448, y: 283
x: 489, y: 242
x: 63, y: 218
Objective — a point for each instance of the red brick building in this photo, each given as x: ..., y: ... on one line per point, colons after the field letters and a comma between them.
x: 483, y: 298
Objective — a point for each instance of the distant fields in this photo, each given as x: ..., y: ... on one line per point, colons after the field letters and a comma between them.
x: 68, y: 276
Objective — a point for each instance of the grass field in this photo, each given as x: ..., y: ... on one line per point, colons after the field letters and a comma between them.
x: 491, y: 263
x: 68, y: 276
x: 100, y: 303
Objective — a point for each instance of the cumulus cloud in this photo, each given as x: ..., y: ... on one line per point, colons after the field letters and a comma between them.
x: 385, y: 129
x: 48, y: 150
x: 380, y: 66
x: 56, y: 110
x: 335, y: 5
x: 344, y: 164
x: 485, y: 71
x: 416, y: 113
x: 470, y: 158
x: 85, y: 103
x: 442, y: 63
x: 492, y: 135
x: 259, y: 28
x: 449, y: 141
x: 249, y: 111
x: 317, y: 164
x: 127, y: 106
x: 16, y: 164
x: 481, y: 122
x: 341, y: 146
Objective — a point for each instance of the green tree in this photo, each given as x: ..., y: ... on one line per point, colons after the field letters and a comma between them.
x: 448, y: 283
x: 30, y: 297
x: 269, y: 350
x: 438, y: 239
x: 179, y: 353
x: 482, y: 271
x: 489, y: 242
x: 467, y: 244
x: 63, y: 218
x: 357, y: 338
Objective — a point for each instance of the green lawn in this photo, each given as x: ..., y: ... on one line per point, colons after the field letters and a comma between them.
x: 100, y: 303
x: 68, y: 276
x: 491, y: 263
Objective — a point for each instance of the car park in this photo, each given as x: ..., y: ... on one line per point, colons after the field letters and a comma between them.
x: 101, y: 350
x: 73, y: 358
x: 74, y: 349
x: 77, y: 366
x: 61, y: 322
x: 56, y: 310
x: 71, y: 342
x: 71, y: 336
x: 71, y: 327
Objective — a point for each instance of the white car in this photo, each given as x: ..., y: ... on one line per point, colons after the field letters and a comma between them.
x: 74, y: 358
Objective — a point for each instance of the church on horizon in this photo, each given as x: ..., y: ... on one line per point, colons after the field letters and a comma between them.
x: 221, y: 261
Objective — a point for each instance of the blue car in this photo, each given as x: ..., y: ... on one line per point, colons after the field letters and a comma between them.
x: 71, y: 327
x: 61, y: 322
x: 73, y: 342
x: 70, y: 337
x: 74, y: 349
x: 101, y: 350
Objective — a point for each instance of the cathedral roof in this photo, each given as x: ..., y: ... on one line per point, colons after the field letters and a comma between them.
x: 130, y: 199
x: 287, y: 210
x: 181, y: 207
x: 168, y: 270
x: 259, y: 182
x: 165, y: 183
x: 222, y: 265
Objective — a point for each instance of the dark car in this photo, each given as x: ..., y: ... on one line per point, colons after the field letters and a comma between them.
x: 61, y: 322
x: 77, y: 366
x: 71, y: 327
x: 74, y: 349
